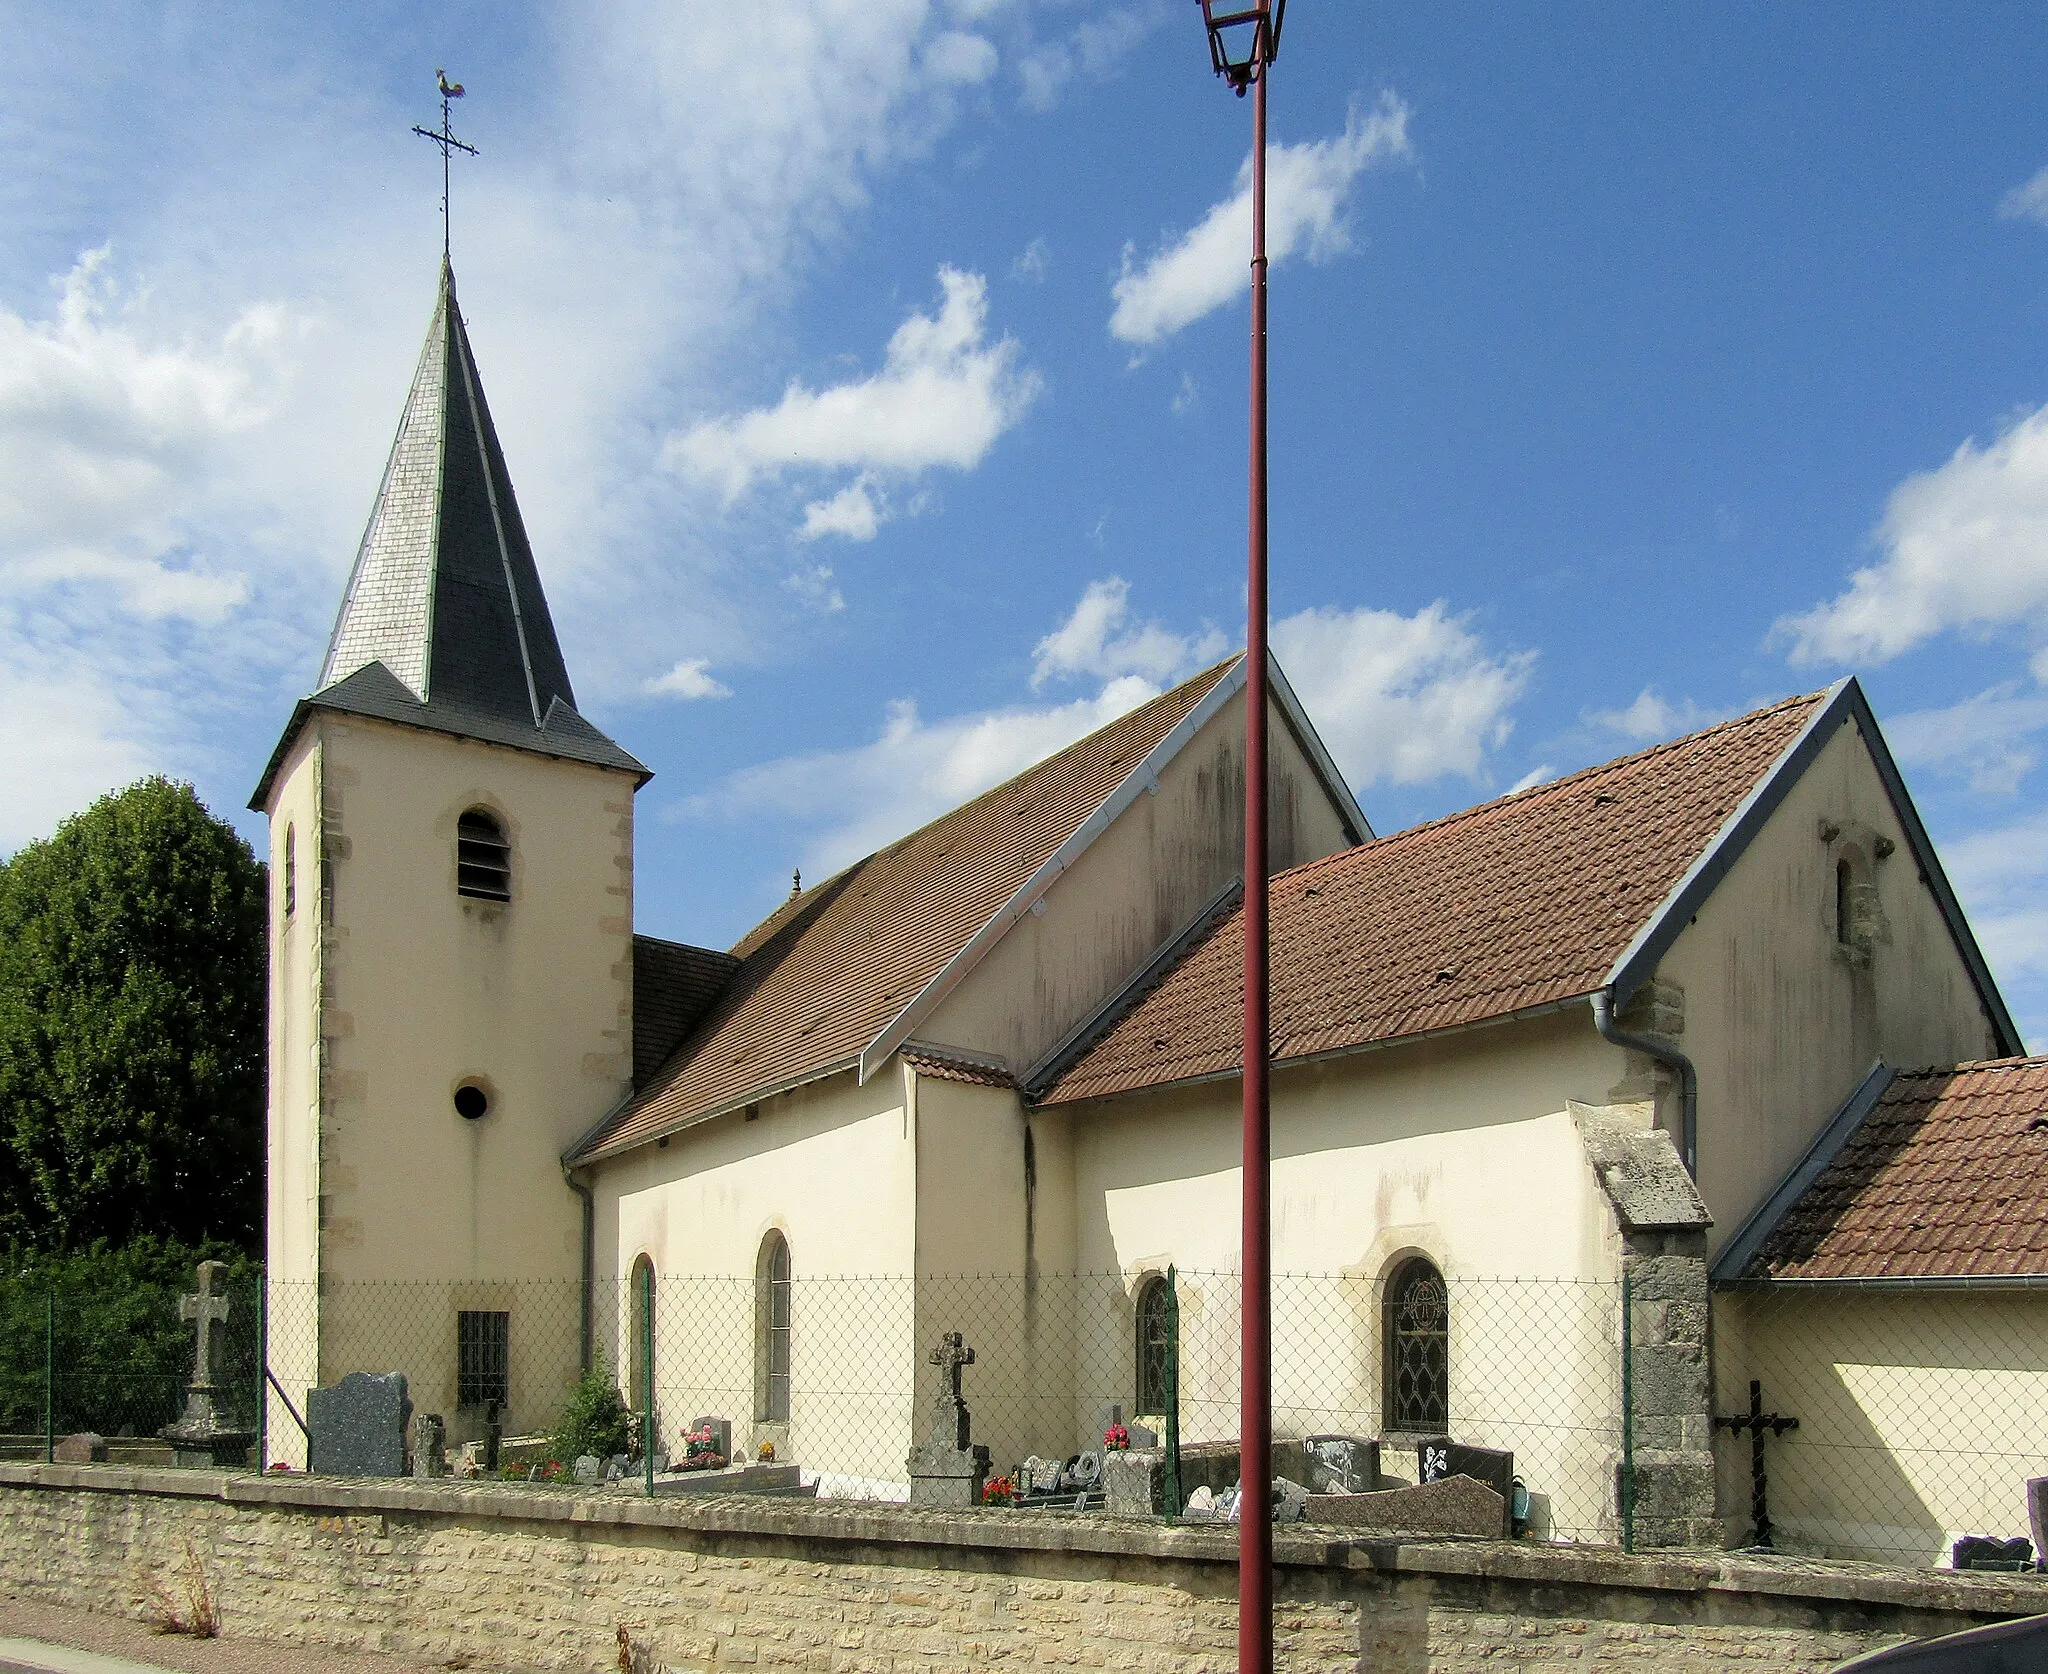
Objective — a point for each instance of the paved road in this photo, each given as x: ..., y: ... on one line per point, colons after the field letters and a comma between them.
x: 31, y: 1656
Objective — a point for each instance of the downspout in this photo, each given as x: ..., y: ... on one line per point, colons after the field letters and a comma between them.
x: 589, y: 1263
x: 1667, y: 1054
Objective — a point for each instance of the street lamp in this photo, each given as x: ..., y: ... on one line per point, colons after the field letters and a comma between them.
x: 1242, y: 46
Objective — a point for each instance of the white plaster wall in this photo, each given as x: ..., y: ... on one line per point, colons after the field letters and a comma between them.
x: 1920, y: 1415
x: 1135, y: 887
x: 1463, y: 1150
x: 420, y: 1214
x: 1780, y: 1025
x: 832, y: 1166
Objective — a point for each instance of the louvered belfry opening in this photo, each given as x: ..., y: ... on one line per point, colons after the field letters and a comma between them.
x: 483, y: 859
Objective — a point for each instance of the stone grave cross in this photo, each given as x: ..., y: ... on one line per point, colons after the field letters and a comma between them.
x: 206, y: 1310
x: 949, y: 1410
x: 1756, y: 1421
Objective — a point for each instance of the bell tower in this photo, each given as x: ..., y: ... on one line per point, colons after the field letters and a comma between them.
x: 451, y: 852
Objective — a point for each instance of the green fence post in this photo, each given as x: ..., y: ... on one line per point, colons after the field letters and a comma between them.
x: 1628, y: 1417
x: 50, y: 1379
x: 1173, y: 1499
x: 647, y: 1360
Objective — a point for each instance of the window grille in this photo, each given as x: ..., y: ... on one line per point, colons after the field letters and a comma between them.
x: 483, y: 859
x: 1418, y: 1337
x: 1152, y: 1346
x: 483, y: 1358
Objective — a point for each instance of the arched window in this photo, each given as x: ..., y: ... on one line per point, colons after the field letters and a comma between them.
x: 771, y: 1331
x: 291, y: 870
x: 1417, y: 1333
x: 1155, y: 1344
x: 483, y: 859
x: 641, y: 1314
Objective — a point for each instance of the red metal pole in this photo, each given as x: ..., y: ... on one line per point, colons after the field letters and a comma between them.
x: 1255, y: 1522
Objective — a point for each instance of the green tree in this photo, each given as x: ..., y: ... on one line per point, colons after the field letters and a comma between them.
x: 132, y: 968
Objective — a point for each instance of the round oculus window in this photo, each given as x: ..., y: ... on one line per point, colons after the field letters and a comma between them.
x: 471, y: 1101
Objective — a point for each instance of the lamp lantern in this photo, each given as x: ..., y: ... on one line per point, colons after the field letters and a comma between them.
x: 1243, y: 42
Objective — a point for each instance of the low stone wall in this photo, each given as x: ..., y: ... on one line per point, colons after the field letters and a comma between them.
x: 511, y: 1577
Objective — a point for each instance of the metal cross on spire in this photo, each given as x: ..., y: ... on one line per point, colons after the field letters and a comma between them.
x: 447, y: 142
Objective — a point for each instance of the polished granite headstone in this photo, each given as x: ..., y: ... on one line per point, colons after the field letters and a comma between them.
x: 357, y: 1426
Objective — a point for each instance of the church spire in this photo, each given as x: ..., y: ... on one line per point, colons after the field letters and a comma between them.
x: 444, y: 592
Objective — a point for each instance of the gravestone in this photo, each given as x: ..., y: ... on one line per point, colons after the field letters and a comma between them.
x: 721, y: 1434
x: 587, y: 1471
x: 357, y: 1426
x: 1042, y: 1476
x: 948, y: 1471
x: 1440, y: 1457
x: 1451, y: 1505
x: 85, y: 1448
x: 1081, y: 1474
x: 1342, y: 1464
x: 429, y: 1445
x: 2037, y: 1513
x: 1143, y: 1435
x: 203, y: 1436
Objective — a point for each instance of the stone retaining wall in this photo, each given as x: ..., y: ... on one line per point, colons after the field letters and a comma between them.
x: 525, y: 1578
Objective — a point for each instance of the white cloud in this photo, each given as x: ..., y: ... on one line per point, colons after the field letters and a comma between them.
x: 1186, y: 397
x: 915, y: 770
x: 1964, y: 546
x: 856, y: 512
x: 1092, y: 50
x: 817, y: 589
x: 1035, y: 263
x: 1986, y: 737
x: 1308, y: 191
x: 690, y: 678
x: 2001, y: 877
x: 957, y: 59
x: 1529, y: 780
x: 1653, y: 718
x: 68, y: 738
x: 1100, y: 641
x: 2027, y: 202
x: 942, y: 398
x: 1401, y: 698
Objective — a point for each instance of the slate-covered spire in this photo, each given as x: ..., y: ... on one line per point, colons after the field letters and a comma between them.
x: 444, y: 591
x: 444, y: 625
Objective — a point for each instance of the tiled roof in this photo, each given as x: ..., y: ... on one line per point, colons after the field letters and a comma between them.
x: 944, y: 1064
x: 673, y: 985
x: 827, y: 971
x: 1514, y: 904
x: 1946, y: 1177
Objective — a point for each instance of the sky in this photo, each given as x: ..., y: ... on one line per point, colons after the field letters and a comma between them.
x: 873, y: 377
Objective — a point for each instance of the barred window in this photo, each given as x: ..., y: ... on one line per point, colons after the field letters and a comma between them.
x: 1418, y: 1349
x: 772, y: 1331
x: 483, y: 1358
x: 483, y: 859
x: 291, y: 870
x: 1153, y: 1346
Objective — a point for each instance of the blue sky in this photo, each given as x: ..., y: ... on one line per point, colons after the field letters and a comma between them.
x: 873, y: 376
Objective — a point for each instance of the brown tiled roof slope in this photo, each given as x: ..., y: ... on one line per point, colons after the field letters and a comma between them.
x: 1513, y: 904
x: 822, y: 975
x: 1947, y: 1177
x: 673, y: 985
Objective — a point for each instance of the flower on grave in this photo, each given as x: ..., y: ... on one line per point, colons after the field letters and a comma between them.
x: 765, y: 1453
x: 1116, y: 1438
x: 552, y: 1471
x: 999, y: 1490
x: 700, y: 1451
x: 280, y: 1465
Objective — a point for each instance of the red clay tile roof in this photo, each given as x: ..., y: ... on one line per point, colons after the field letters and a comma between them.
x: 1513, y: 904
x: 825, y: 972
x: 942, y: 1064
x: 1947, y: 1177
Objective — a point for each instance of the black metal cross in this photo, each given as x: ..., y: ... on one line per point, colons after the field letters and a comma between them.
x: 447, y: 142
x: 1756, y: 1421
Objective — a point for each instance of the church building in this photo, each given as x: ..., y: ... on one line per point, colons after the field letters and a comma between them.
x: 986, y: 1079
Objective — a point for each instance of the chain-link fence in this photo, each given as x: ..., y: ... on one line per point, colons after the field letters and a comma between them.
x: 1920, y: 1413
